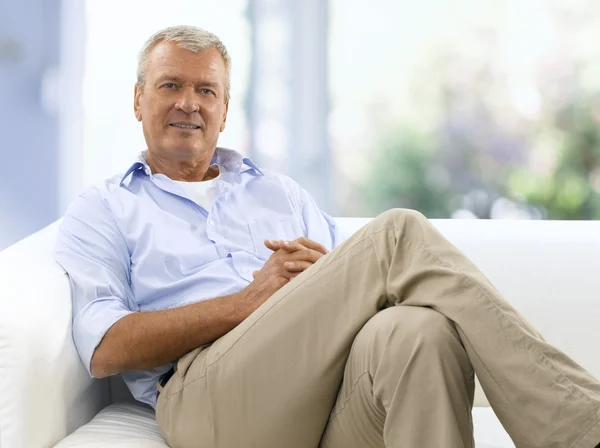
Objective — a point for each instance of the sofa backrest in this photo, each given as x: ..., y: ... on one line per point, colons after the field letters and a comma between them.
x: 45, y: 392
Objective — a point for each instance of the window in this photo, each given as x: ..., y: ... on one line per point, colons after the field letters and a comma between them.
x: 456, y: 108
x: 466, y: 108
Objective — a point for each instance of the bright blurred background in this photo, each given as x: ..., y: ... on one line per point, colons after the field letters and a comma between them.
x: 456, y: 108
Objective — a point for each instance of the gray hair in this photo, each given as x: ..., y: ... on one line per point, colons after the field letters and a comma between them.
x: 190, y: 38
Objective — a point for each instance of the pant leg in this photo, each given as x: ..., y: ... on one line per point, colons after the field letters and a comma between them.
x: 273, y: 380
x: 408, y: 383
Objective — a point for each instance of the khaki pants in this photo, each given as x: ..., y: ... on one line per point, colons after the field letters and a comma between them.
x: 375, y: 346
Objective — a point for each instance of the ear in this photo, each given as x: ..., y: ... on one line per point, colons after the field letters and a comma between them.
x: 224, y: 117
x: 137, y: 107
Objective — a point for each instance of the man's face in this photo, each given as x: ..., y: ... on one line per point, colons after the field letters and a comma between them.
x: 182, y: 105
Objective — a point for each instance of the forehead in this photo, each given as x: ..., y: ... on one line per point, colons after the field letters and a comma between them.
x: 167, y: 58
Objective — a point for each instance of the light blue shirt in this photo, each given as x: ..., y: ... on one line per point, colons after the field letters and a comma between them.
x: 138, y: 242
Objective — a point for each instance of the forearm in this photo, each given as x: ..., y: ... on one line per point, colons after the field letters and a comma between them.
x: 146, y: 340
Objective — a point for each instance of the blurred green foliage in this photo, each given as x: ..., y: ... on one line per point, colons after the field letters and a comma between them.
x: 401, y: 180
x: 570, y: 189
x: 526, y: 134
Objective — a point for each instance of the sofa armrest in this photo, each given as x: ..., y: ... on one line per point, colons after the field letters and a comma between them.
x: 45, y: 391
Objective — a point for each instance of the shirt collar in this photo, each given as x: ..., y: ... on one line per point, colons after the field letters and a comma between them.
x: 228, y: 160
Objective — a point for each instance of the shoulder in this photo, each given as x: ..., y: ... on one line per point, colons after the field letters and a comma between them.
x: 95, y: 198
x: 281, y: 180
x: 89, y: 224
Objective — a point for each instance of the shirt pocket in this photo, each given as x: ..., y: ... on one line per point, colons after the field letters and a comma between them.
x: 280, y: 229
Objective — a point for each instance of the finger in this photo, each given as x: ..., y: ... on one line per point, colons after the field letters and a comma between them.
x: 299, y: 244
x: 297, y: 266
x: 292, y: 246
x: 294, y: 275
x: 310, y: 244
x: 288, y: 246
x: 305, y: 255
x: 273, y: 244
x: 255, y: 273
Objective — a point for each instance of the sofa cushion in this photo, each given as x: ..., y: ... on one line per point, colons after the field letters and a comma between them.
x: 122, y: 425
x: 128, y: 425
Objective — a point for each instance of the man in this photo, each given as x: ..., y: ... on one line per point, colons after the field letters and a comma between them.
x: 208, y: 284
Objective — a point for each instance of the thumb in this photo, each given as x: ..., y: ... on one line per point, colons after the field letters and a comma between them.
x: 255, y: 273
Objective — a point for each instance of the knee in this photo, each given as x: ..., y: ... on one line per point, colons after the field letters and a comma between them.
x: 400, y: 215
x: 428, y: 328
x: 416, y: 327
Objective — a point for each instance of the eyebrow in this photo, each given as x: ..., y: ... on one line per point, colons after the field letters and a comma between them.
x: 172, y: 78
x: 212, y: 85
x: 165, y: 78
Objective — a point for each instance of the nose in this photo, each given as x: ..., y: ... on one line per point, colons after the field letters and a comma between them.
x: 187, y: 101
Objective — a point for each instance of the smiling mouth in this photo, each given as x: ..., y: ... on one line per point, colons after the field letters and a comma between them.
x: 189, y: 127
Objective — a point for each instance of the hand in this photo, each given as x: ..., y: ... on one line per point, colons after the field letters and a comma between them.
x: 297, y: 245
x: 289, y: 259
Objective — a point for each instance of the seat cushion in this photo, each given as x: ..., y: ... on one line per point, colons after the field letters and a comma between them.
x: 120, y: 425
x: 132, y: 425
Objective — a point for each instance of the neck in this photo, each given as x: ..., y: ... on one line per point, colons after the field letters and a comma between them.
x: 189, y: 170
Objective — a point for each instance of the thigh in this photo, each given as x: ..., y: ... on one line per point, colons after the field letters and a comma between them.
x: 273, y: 380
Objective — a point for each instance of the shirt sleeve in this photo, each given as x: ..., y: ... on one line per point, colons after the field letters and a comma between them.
x: 94, y: 253
x: 319, y: 226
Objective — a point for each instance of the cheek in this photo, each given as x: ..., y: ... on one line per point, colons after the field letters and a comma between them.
x: 156, y: 115
x: 214, y: 113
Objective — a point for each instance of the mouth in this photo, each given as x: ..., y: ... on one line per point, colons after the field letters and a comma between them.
x: 185, y: 126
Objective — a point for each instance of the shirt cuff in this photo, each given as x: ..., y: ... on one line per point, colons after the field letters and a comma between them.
x: 91, y: 324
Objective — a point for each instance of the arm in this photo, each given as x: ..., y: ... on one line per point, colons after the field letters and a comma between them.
x: 148, y: 339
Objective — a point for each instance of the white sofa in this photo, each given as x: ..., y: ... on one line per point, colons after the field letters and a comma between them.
x: 549, y: 270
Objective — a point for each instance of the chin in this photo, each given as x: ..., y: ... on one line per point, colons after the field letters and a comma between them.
x: 184, y: 151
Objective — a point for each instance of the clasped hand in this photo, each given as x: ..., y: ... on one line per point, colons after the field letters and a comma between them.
x: 290, y: 258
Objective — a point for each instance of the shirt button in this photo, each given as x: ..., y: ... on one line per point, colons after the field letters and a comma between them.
x: 212, y: 223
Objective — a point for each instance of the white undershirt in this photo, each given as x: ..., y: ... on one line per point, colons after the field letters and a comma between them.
x: 201, y: 192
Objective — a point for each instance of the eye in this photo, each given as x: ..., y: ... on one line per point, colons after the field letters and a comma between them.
x: 169, y: 85
x: 207, y: 92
